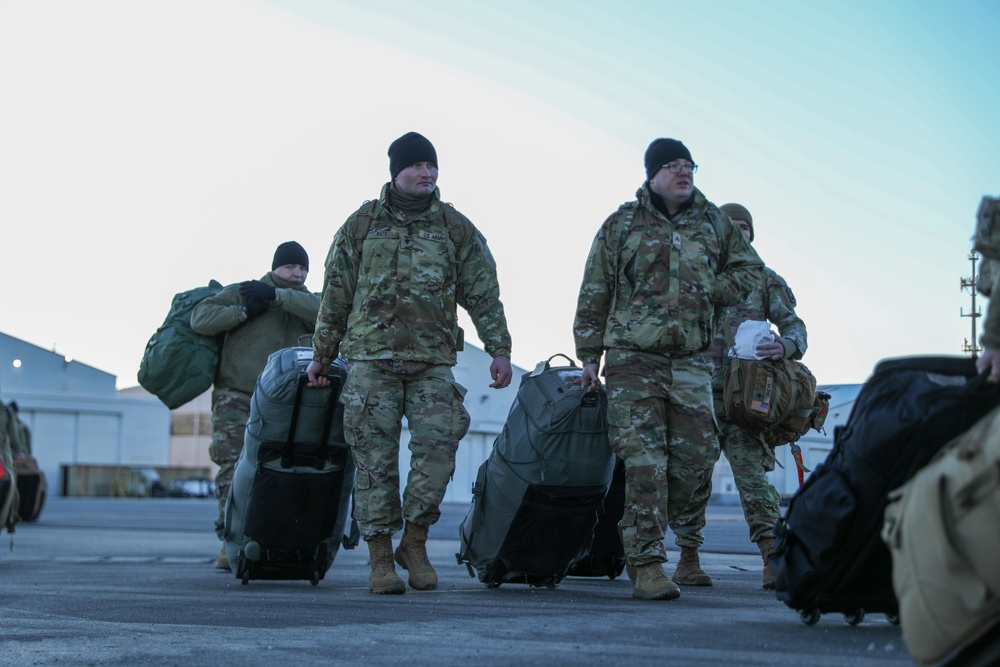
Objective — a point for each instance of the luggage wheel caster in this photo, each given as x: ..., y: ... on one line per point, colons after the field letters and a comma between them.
x: 493, y: 584
x: 809, y: 616
x: 893, y: 618
x: 855, y: 617
x: 246, y: 578
x: 314, y: 580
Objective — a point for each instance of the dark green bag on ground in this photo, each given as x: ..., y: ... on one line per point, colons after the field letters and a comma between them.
x: 178, y: 363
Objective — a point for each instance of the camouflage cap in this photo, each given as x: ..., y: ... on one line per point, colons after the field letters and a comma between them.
x: 738, y: 212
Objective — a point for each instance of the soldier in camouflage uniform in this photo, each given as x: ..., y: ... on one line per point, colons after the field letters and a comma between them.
x: 22, y: 449
x: 258, y: 317
x: 396, y: 272
x: 10, y: 499
x: 660, y: 271
x: 989, y: 362
x: 772, y: 301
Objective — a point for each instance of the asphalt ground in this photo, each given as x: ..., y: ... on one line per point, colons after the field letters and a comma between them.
x: 101, y: 581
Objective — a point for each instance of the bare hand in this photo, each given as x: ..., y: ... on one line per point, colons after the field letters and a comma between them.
x: 500, y: 372
x: 317, y: 374
x: 989, y: 363
x: 588, y: 379
x: 774, y: 351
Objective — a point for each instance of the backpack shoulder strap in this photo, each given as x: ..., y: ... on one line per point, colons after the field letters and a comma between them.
x: 364, y: 214
x: 617, y: 237
x: 456, y: 222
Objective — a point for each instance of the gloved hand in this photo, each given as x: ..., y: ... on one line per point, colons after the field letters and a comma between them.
x: 256, y: 289
x: 254, y: 307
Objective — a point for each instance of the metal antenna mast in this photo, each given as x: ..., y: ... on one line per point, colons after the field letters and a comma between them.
x: 969, y: 284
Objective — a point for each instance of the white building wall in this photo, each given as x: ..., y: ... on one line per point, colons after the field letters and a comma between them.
x: 75, y: 415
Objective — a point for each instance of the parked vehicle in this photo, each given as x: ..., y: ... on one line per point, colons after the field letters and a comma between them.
x: 191, y: 488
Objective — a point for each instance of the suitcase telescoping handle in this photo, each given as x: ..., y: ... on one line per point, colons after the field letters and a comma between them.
x: 331, y: 406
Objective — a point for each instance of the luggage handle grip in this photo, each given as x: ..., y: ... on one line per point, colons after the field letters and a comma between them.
x: 327, y: 421
x: 544, y: 365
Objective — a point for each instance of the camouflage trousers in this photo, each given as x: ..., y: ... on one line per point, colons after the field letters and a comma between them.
x: 750, y: 462
x: 662, y: 425
x: 230, y: 412
x: 376, y: 397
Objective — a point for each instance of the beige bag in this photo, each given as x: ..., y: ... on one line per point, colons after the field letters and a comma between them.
x: 943, y: 530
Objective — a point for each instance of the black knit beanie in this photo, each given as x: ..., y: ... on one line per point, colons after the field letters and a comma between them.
x: 738, y: 212
x: 290, y: 252
x: 410, y: 149
x: 664, y: 151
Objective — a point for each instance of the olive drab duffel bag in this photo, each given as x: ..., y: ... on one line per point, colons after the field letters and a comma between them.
x: 943, y: 531
x: 179, y: 364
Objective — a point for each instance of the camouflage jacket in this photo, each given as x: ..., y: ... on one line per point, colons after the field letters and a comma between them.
x: 249, y: 343
x: 991, y: 325
x: 659, y: 285
x: 772, y: 301
x: 394, y: 294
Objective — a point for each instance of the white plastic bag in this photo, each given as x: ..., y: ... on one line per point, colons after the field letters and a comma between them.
x: 751, y: 334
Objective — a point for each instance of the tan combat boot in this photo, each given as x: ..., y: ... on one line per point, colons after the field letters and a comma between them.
x: 766, y: 546
x: 652, y: 583
x: 411, y: 554
x: 689, y: 572
x: 383, y: 578
x: 222, y: 562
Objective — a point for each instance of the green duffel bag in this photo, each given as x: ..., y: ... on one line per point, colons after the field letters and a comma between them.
x: 179, y: 364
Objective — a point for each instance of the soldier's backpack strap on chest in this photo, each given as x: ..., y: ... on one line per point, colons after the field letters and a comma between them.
x: 364, y: 223
x: 453, y: 219
x: 456, y: 224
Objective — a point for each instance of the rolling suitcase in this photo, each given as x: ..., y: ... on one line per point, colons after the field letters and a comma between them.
x: 536, y: 498
x: 606, y: 557
x: 828, y: 556
x: 291, y: 493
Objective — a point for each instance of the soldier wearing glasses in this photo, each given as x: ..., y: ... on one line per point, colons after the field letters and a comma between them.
x: 660, y: 272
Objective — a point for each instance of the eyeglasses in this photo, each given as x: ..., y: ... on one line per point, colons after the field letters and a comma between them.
x: 678, y: 167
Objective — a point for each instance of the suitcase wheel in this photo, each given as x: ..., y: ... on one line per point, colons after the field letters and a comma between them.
x: 892, y: 618
x: 809, y: 616
x: 854, y: 617
x: 314, y: 579
x: 246, y: 577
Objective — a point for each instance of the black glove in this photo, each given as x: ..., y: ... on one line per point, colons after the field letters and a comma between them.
x: 254, y: 307
x: 256, y: 289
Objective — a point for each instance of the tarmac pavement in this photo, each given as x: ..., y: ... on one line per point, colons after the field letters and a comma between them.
x: 108, y: 581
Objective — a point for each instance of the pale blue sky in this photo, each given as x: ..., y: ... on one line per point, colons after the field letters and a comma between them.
x: 148, y: 147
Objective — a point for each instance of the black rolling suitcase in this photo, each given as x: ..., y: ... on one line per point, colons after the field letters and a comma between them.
x: 536, y: 498
x: 606, y: 557
x: 828, y: 554
x: 290, y: 499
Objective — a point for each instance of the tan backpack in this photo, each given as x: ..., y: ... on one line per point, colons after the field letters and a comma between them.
x: 775, y: 400
x: 943, y: 531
